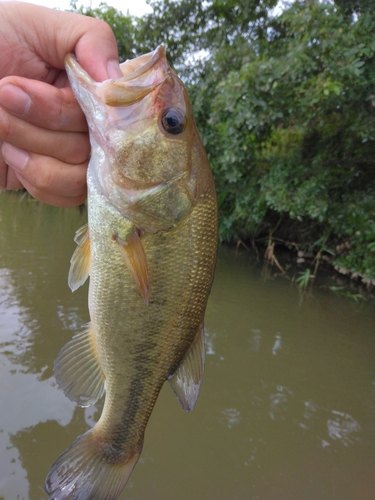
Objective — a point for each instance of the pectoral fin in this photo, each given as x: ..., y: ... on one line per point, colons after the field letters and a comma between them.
x: 134, y: 256
x: 187, y: 379
x: 80, y: 261
x: 77, y: 370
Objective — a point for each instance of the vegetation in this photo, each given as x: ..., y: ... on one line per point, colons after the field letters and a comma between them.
x: 284, y: 100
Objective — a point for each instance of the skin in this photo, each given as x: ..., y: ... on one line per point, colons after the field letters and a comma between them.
x: 44, y: 143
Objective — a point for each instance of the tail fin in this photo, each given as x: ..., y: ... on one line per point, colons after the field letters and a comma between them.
x: 90, y: 470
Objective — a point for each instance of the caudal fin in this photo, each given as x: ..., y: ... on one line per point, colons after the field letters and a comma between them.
x: 90, y: 470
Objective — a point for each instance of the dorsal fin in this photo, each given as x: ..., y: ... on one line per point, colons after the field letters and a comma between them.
x: 80, y: 261
x: 187, y: 379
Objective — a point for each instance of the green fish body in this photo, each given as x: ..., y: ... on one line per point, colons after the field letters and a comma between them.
x: 149, y: 248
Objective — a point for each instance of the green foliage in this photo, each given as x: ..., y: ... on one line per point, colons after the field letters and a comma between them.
x: 285, y: 106
x: 342, y: 290
x: 292, y: 133
x: 304, y: 278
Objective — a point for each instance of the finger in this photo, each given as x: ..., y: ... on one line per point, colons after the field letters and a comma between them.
x: 53, y: 199
x: 8, y: 177
x: 13, y: 183
x: 42, y: 104
x: 91, y: 39
x: 69, y: 147
x: 3, y: 171
x: 95, y: 48
x: 45, y: 177
x: 100, y: 65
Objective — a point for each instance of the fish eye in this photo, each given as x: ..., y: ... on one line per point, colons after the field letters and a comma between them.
x: 173, y: 121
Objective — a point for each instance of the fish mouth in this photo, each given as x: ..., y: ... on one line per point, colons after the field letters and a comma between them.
x: 134, y: 68
x: 141, y: 76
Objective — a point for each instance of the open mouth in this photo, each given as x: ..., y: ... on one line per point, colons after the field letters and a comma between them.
x: 142, y: 76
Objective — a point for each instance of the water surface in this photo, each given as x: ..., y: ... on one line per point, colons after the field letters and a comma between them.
x: 286, y: 410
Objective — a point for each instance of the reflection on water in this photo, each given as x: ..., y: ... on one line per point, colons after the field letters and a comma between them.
x: 286, y: 410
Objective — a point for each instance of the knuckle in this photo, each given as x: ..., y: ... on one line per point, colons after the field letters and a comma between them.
x: 102, y: 26
x: 42, y: 180
x: 56, y: 178
x: 79, y: 149
x: 76, y: 201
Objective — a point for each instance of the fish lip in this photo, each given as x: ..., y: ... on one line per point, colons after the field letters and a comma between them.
x: 151, y: 59
x: 147, y: 61
x: 141, y: 76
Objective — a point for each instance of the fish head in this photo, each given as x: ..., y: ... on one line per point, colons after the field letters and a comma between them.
x: 142, y: 130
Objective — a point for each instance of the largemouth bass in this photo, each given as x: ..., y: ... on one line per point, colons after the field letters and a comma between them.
x: 149, y: 249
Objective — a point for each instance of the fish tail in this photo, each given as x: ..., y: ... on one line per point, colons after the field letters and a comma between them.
x: 90, y: 469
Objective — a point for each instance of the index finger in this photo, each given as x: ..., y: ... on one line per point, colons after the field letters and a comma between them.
x: 42, y: 104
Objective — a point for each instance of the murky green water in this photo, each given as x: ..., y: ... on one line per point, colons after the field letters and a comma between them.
x: 287, y: 406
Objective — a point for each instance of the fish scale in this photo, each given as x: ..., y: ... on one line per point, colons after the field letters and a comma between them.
x: 149, y: 248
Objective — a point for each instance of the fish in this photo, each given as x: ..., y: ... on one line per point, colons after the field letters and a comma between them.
x: 149, y: 250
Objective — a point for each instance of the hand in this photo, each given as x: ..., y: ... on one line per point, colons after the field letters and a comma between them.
x: 43, y: 132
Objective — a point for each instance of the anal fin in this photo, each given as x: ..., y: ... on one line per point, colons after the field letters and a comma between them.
x: 80, y: 261
x: 187, y: 379
x: 77, y: 370
x: 134, y: 256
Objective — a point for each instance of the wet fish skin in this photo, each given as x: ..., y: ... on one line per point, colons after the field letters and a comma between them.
x: 150, y: 250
